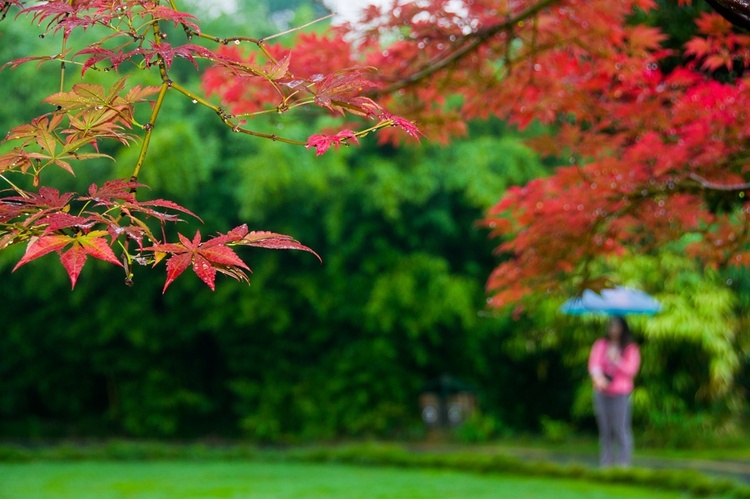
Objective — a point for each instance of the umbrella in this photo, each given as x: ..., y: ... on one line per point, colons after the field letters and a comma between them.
x: 617, y: 301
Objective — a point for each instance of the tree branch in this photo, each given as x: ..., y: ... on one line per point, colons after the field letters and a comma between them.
x: 165, y: 85
x: 476, y: 41
x: 149, y: 130
x: 707, y: 184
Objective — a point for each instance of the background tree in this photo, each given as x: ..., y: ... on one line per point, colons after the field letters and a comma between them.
x: 642, y: 104
x: 644, y: 115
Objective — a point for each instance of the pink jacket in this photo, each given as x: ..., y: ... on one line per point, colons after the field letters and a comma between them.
x: 622, y: 372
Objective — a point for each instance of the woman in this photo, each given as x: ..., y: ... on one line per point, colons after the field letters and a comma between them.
x: 613, y: 363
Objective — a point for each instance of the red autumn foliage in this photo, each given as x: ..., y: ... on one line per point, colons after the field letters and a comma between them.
x: 649, y: 150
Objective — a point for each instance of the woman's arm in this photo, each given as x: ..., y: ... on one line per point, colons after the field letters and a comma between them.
x: 596, y: 357
x: 596, y: 360
x: 631, y: 361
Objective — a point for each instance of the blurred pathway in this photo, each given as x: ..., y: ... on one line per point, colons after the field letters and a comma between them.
x: 738, y: 469
x: 730, y: 468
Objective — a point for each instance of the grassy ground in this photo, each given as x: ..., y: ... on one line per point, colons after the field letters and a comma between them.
x: 242, y: 479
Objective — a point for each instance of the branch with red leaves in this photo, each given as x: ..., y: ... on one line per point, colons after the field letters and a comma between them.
x: 215, y: 255
x: 111, y: 215
x: 83, y: 117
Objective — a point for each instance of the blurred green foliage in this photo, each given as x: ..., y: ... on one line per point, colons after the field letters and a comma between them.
x: 342, y: 349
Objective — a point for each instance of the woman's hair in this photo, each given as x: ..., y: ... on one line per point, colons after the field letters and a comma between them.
x: 626, y: 336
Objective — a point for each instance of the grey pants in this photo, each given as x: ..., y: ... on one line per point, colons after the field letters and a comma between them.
x: 613, y: 415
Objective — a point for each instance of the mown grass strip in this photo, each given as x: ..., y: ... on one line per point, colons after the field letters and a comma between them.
x: 687, y: 481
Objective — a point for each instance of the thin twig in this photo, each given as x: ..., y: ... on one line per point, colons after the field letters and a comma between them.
x: 292, y: 30
x: 227, y: 119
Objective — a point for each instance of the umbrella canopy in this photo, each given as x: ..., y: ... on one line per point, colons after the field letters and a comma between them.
x: 617, y: 301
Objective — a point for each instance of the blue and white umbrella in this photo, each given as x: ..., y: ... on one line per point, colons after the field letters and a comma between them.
x: 618, y: 301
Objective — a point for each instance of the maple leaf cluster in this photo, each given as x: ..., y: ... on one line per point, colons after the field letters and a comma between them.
x: 44, y: 221
x: 646, y: 154
x: 85, y: 116
x: 111, y: 218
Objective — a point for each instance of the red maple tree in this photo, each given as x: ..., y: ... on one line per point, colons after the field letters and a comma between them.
x: 114, y: 218
x: 652, y: 141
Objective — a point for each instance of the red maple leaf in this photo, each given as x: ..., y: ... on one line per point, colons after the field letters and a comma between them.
x: 81, y: 247
x: 113, y: 189
x: 147, y: 208
x: 120, y: 192
x: 322, y: 143
x: 340, y: 92
x: 99, y: 54
x: 206, y: 259
x: 164, y: 13
x: 57, y: 11
x: 47, y: 201
x: 269, y: 240
x: 406, y: 125
x: 59, y: 220
x: 167, y: 53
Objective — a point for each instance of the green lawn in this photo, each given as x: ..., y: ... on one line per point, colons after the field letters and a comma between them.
x: 245, y: 479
